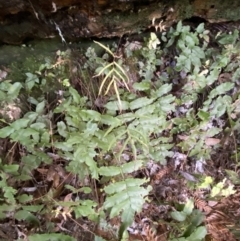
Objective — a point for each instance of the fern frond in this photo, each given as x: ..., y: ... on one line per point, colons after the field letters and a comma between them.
x: 129, y: 167
x: 118, y: 96
x: 150, y: 233
x: 103, y: 69
x: 122, y: 70
x: 202, y: 205
x: 126, y: 197
x: 104, y: 47
x: 103, y: 81
x: 161, y: 173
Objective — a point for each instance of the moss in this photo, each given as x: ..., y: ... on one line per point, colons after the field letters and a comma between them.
x: 19, y: 69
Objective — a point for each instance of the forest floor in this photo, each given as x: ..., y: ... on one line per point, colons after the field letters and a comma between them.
x: 169, y: 120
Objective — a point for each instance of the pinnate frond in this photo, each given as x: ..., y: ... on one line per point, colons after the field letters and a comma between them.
x: 126, y: 197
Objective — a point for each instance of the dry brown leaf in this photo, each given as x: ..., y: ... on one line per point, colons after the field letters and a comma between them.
x: 212, y: 203
x: 183, y: 137
x: 43, y: 171
x: 212, y: 141
x: 68, y: 197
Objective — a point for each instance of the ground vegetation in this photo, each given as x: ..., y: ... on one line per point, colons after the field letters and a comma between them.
x: 140, y: 142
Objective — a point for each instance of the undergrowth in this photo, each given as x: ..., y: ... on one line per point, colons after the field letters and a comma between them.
x: 168, y: 102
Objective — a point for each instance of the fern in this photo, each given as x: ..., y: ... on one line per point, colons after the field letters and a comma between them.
x: 158, y: 114
x: 114, y: 74
x: 8, y: 192
x: 126, y: 197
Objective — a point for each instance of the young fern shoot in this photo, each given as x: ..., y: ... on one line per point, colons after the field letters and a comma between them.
x: 115, y: 75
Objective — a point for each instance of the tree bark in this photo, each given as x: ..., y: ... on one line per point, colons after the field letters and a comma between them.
x: 72, y: 20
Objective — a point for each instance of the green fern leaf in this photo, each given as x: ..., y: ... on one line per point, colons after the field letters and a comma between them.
x: 132, y: 166
x: 127, y: 194
x: 125, y: 168
x: 164, y: 89
x: 110, y: 120
x: 109, y: 171
x: 127, y: 218
x: 6, y: 131
x: 9, y: 192
x: 141, y: 102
